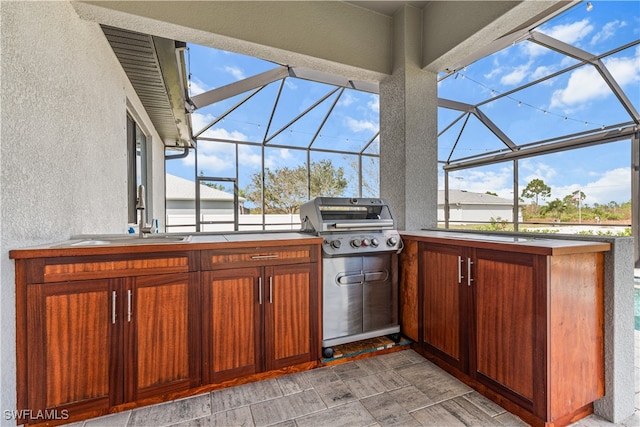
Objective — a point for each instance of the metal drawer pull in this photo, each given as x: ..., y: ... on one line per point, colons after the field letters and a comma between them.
x: 129, y: 308
x: 113, y: 307
x: 270, y: 289
x: 260, y: 290
x: 376, y: 276
x: 271, y: 256
x: 350, y: 279
x: 469, y: 279
x: 460, y: 276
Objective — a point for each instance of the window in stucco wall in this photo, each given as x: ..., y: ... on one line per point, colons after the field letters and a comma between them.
x: 136, y: 168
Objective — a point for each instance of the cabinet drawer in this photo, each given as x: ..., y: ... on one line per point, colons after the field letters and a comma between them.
x: 233, y: 258
x: 51, y: 270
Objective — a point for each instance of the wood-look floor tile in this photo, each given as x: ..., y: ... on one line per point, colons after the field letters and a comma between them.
x: 411, y: 399
x: 365, y: 386
x: 371, y: 365
x: 114, y: 420
x: 392, y: 380
x: 335, y: 393
x: 397, y: 359
x: 509, y: 420
x: 349, y: 415
x: 349, y: 370
x: 294, y: 383
x: 388, y: 412
x: 434, y: 382
x: 173, y: 412
x: 436, y: 415
x: 239, y: 417
x: 468, y: 413
x: 287, y: 408
x: 487, y: 405
x: 243, y: 395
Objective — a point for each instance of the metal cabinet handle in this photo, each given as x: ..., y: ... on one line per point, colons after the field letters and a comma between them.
x: 270, y: 289
x: 469, y: 279
x: 114, y: 296
x: 271, y: 256
x: 260, y: 290
x: 460, y: 276
x: 350, y: 279
x: 129, y: 307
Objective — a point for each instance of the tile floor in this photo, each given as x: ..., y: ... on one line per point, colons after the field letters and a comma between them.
x: 396, y: 389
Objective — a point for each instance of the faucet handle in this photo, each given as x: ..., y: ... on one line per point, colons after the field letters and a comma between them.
x: 140, y: 201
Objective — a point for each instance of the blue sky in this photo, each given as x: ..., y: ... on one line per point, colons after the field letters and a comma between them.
x: 569, y: 103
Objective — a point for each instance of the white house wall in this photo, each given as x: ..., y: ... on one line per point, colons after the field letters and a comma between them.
x: 63, y: 147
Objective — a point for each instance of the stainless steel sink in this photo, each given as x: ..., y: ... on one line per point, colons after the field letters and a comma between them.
x: 128, y: 239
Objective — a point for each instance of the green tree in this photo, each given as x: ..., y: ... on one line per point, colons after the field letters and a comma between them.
x: 554, y: 208
x: 285, y: 189
x: 536, y: 189
x: 491, y: 193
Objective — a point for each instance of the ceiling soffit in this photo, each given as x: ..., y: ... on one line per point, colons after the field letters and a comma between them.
x: 152, y: 66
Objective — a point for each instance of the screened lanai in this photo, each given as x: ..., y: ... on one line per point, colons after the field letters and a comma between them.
x: 558, y: 103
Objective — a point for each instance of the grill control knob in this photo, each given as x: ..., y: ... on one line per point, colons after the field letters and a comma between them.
x: 392, y: 241
x: 375, y: 242
x: 335, y: 244
x: 365, y: 242
x: 356, y: 243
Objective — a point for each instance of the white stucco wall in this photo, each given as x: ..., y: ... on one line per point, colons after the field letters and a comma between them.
x: 63, y: 166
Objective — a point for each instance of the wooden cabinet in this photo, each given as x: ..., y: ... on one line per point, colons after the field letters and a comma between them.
x: 523, y: 325
x: 73, y: 346
x: 92, y: 344
x: 162, y: 334
x: 443, y: 303
x: 260, y: 315
x: 110, y: 328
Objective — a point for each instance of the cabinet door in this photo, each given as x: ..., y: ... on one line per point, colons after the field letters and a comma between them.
x: 506, y: 309
x: 232, y: 302
x: 443, y: 277
x: 73, y: 338
x: 162, y: 334
x: 290, y: 315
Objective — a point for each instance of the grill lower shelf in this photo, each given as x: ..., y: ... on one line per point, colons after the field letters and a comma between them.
x: 364, y: 346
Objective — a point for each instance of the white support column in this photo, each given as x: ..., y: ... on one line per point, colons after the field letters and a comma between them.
x: 408, y: 129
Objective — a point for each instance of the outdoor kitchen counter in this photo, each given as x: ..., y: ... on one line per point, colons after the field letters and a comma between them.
x: 525, y: 243
x: 517, y: 317
x: 124, y: 244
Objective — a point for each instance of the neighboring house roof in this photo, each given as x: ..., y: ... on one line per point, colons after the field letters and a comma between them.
x: 182, y: 189
x: 469, y: 198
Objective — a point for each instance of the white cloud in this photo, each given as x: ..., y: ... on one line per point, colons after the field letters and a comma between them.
x: 585, y: 83
x: 516, y: 76
x: 235, y: 72
x: 374, y: 104
x: 346, y: 99
x: 196, y: 86
x: 200, y: 121
x: 568, y: 33
x: 607, y: 31
x: 612, y: 185
x: 541, y: 71
x: 278, y: 158
x: 290, y: 84
x: 360, y: 125
x: 531, y: 169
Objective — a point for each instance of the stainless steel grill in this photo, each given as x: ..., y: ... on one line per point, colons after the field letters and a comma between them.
x: 360, y: 267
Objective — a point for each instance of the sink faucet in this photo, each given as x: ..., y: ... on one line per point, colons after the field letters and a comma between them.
x: 143, y: 228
